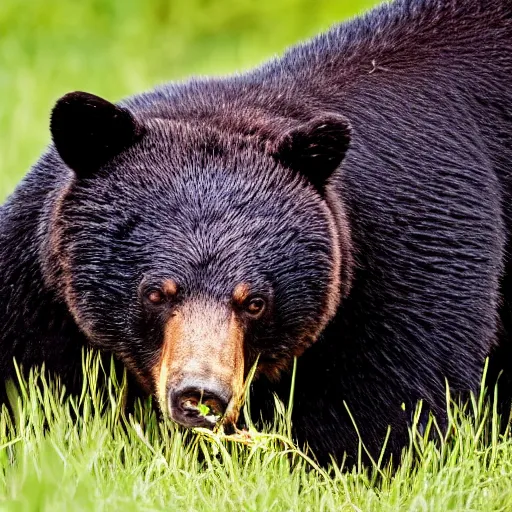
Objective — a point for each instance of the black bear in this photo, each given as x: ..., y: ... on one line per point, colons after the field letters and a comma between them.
x: 348, y: 204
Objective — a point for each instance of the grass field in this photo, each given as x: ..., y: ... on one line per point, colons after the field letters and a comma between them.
x: 83, y: 453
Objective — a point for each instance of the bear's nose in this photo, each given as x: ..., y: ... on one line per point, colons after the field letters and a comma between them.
x: 194, y: 404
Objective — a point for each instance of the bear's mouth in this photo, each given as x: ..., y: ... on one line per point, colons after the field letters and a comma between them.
x: 199, y: 405
x: 208, y: 410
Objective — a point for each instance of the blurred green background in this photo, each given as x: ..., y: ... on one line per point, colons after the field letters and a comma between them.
x: 115, y: 48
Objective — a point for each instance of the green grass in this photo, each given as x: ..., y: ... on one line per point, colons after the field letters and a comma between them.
x: 84, y: 454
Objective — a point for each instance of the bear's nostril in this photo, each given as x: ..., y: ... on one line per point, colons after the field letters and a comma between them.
x: 189, y: 404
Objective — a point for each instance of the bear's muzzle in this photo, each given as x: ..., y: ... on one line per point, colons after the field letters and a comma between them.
x: 200, y: 373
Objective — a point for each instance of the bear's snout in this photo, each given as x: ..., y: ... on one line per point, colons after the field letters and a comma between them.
x: 199, y: 375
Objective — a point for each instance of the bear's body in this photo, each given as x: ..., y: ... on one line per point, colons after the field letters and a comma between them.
x: 420, y: 205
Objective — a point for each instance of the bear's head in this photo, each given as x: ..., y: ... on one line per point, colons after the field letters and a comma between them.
x: 191, y: 253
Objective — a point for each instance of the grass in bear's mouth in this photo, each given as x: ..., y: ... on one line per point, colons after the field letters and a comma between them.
x: 86, y: 453
x: 204, y: 410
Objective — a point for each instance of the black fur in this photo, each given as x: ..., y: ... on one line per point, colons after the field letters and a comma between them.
x: 421, y: 202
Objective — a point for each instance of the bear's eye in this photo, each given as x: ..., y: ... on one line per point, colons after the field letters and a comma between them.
x: 255, y: 306
x: 159, y: 294
x: 156, y: 296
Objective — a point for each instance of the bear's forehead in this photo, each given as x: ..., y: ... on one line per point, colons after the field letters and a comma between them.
x: 204, y: 190
x: 170, y: 200
x: 215, y: 220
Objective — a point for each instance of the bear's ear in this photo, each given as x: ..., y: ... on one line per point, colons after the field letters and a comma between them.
x: 315, y: 149
x: 88, y: 131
